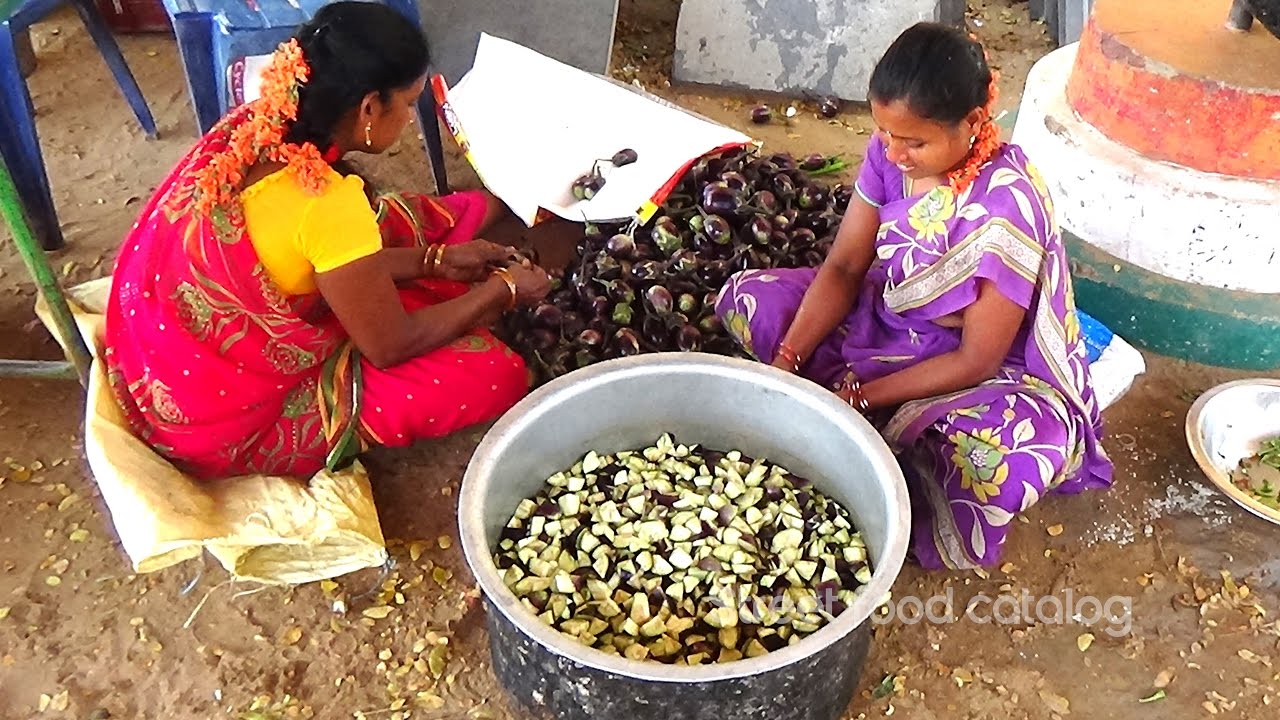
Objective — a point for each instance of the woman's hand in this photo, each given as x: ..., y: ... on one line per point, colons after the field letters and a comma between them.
x: 783, y: 364
x: 532, y: 283
x: 837, y: 284
x: 471, y: 261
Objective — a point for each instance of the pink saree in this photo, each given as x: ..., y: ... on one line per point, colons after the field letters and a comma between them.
x: 222, y: 374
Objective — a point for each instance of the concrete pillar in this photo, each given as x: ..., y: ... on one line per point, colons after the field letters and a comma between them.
x: 1169, y: 212
x: 793, y: 47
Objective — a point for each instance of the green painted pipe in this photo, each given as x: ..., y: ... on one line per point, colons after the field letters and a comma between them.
x: 33, y: 257
x: 37, y: 369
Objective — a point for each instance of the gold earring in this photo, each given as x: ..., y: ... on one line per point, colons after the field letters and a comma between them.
x: 368, y: 139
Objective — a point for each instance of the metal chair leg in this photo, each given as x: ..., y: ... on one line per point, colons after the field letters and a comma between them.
x: 194, y: 33
x: 110, y: 51
x: 429, y: 121
x: 38, y: 266
x: 20, y: 145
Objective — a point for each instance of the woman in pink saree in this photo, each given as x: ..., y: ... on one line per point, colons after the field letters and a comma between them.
x: 945, y: 309
x: 270, y: 316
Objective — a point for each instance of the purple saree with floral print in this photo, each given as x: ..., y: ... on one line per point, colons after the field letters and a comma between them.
x: 977, y: 457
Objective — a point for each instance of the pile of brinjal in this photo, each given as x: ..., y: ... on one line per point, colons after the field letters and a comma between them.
x: 635, y: 289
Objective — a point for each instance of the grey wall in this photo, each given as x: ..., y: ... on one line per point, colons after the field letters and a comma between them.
x: 1066, y: 18
x: 793, y: 46
x: 577, y: 32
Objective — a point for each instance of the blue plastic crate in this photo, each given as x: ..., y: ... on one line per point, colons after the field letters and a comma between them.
x: 213, y: 34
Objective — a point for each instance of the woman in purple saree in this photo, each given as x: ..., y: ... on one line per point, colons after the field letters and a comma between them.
x: 945, y: 310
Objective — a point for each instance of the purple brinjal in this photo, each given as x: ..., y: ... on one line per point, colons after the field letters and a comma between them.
x: 735, y: 181
x: 718, y: 230
x: 622, y: 246
x: 626, y: 343
x: 761, y: 114
x: 841, y: 195
x: 711, y: 325
x: 829, y: 106
x: 688, y: 339
x: 765, y: 201
x: 812, y: 197
x: 625, y: 157
x: 721, y: 200
x: 758, y: 230
x: 587, y: 186
x: 548, y: 316
x: 784, y: 161
x: 784, y: 187
x: 647, y: 271
x: 813, y: 162
x: 683, y: 261
x: 599, y: 306
x: 666, y: 235
x: 659, y: 300
x: 803, y: 238
x: 654, y: 330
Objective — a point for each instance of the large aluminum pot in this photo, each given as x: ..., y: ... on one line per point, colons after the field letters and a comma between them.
x: 721, y: 403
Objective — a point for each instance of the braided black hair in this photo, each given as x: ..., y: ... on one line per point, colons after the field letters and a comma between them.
x: 353, y: 49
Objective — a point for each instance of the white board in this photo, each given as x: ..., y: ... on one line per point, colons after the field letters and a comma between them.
x: 531, y: 125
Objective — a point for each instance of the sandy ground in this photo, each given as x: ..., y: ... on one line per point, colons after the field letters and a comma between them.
x: 81, y: 637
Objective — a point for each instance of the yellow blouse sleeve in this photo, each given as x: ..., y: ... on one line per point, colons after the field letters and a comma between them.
x: 340, y: 227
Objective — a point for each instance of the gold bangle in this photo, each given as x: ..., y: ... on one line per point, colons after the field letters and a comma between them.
x: 428, y: 264
x: 511, y: 284
x: 437, y: 258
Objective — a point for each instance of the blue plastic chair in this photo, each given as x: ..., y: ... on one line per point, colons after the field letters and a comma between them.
x: 213, y: 34
x: 19, y: 143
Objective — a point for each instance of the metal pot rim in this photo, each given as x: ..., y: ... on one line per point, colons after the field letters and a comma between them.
x: 1195, y: 433
x: 531, y: 410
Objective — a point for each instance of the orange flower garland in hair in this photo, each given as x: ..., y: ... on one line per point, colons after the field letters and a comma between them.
x: 985, y: 145
x: 260, y: 138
